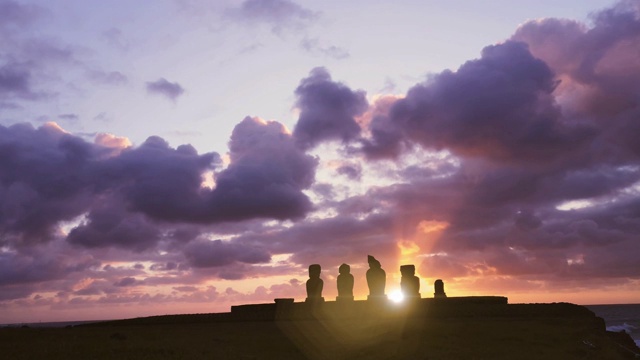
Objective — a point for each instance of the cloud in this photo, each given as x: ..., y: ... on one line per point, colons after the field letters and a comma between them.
x: 279, y: 14
x: 119, y: 195
x: 127, y: 281
x: 332, y: 51
x: 266, y: 176
x: 353, y: 172
x: 115, y: 38
x: 112, y: 226
x: 16, y: 82
x: 31, y: 62
x: 327, y: 110
x: 69, y: 117
x: 216, y: 253
x: 165, y: 88
x: 117, y: 78
x: 500, y: 106
x: 598, y: 69
x: 159, y: 181
x: 43, y: 181
x: 14, y: 15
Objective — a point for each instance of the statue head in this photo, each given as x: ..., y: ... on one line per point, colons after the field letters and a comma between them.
x: 344, y: 269
x: 314, y: 270
x: 373, y: 263
x: 408, y: 270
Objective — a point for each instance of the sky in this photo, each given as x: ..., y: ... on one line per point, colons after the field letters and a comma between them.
x: 184, y: 156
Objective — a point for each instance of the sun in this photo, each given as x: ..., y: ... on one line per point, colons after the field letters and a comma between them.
x: 396, y: 296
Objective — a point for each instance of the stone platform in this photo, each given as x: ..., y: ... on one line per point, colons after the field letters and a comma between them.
x: 286, y: 309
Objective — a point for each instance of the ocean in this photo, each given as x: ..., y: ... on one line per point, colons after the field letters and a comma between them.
x: 620, y: 317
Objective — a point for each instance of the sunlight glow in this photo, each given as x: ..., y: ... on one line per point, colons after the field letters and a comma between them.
x: 208, y: 181
x: 576, y: 260
x: 574, y: 204
x: 431, y: 226
x: 408, y: 247
x: 67, y: 226
x: 396, y: 297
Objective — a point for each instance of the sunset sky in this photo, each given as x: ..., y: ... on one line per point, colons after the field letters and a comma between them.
x: 183, y: 156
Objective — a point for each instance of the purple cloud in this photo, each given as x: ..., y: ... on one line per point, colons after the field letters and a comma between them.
x: 16, y: 82
x: 266, y: 176
x: 499, y: 106
x: 127, y: 281
x: 112, y: 226
x: 327, y: 110
x: 351, y: 171
x: 14, y: 15
x: 116, y: 78
x: 49, y: 176
x: 44, y: 180
x: 313, y: 45
x: 206, y: 253
x: 279, y: 14
x: 165, y: 88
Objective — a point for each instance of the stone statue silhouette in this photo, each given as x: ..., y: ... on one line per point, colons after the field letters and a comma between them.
x: 409, y: 283
x: 345, y: 283
x: 439, y: 288
x: 314, y: 284
x: 376, y: 278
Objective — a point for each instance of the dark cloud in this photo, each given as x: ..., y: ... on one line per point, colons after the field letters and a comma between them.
x: 334, y: 240
x: 266, y: 176
x: 127, y: 281
x: 108, y: 225
x: 327, y: 110
x: 165, y: 88
x: 499, y: 106
x: 279, y: 14
x: 351, y: 171
x: 129, y: 196
x: 216, y: 253
x: 26, y: 270
x: 160, y: 181
x: 43, y: 180
x: 16, y: 82
x: 599, y: 71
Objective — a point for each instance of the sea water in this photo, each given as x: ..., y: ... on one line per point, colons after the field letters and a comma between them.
x: 620, y: 317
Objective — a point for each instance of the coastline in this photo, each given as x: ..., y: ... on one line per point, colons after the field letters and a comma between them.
x: 620, y: 317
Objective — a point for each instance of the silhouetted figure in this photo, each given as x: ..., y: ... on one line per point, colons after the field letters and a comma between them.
x: 314, y: 284
x: 376, y: 279
x: 439, y: 288
x: 345, y: 283
x: 409, y: 283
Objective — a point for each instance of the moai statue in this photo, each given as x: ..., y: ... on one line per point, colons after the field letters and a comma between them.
x: 409, y: 283
x: 345, y: 283
x: 376, y: 279
x: 314, y: 284
x: 439, y: 288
